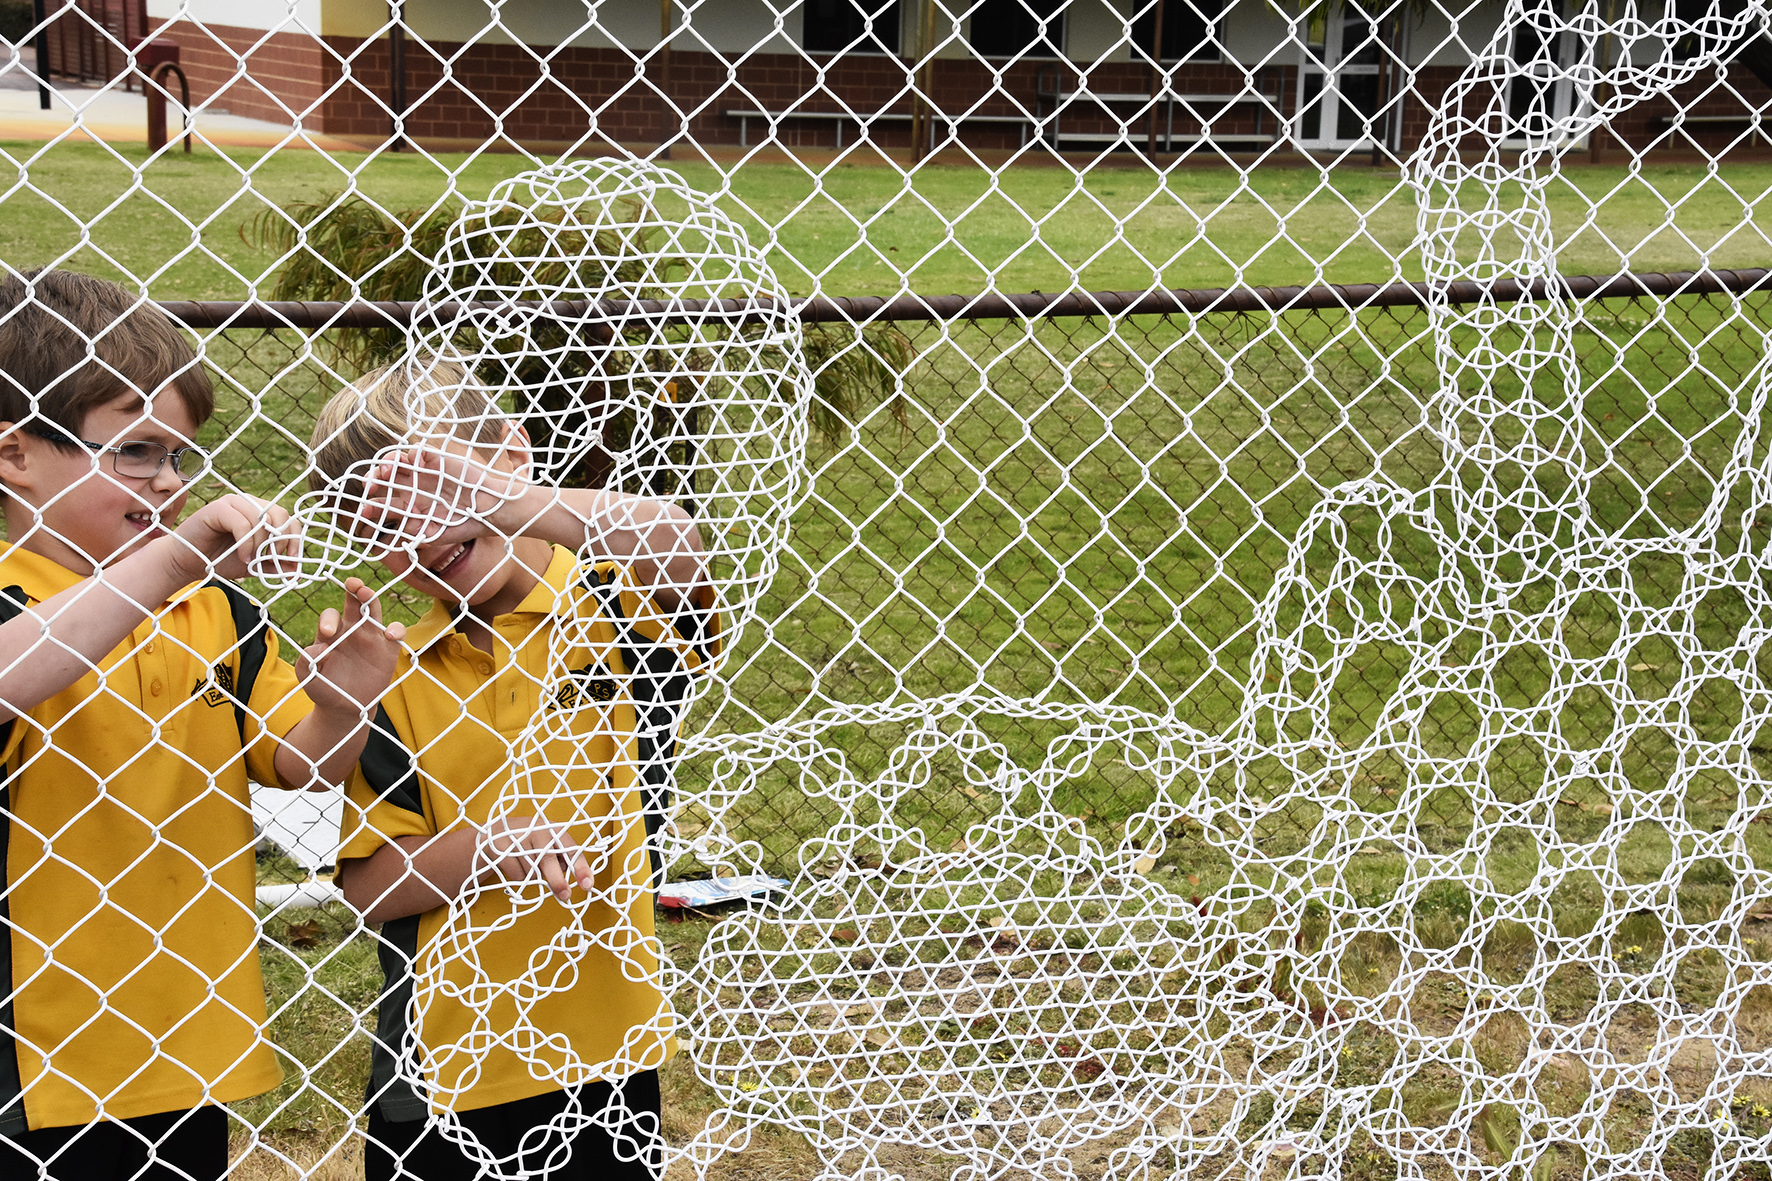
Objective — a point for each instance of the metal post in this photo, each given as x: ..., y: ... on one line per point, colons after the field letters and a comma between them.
x: 666, y: 107
x: 922, y: 109
x: 40, y: 11
x: 397, y: 74
x: 1156, y: 72
x: 1385, y: 29
x: 1596, y: 140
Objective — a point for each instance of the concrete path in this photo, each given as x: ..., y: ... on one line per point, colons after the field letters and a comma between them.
x: 112, y: 114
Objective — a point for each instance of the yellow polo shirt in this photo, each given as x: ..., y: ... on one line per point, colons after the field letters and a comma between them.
x: 130, y: 880
x: 460, y: 716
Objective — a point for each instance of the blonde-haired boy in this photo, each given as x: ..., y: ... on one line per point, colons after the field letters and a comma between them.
x: 516, y: 607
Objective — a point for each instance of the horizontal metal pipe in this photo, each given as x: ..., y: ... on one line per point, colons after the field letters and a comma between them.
x: 312, y: 316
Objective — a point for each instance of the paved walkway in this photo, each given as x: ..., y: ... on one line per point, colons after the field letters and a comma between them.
x: 114, y: 115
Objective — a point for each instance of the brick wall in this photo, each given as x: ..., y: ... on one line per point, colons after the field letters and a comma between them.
x: 1641, y: 128
x: 487, y: 90
x: 245, y: 72
x: 492, y: 88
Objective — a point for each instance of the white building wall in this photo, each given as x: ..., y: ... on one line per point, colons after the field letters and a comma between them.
x: 1096, y: 31
x: 294, y: 16
x: 599, y: 25
x: 1449, y: 31
x: 733, y: 27
x: 1262, y: 33
x: 1253, y: 32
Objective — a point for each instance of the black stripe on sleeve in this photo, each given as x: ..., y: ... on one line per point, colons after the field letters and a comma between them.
x: 12, y: 1101
x: 392, y: 772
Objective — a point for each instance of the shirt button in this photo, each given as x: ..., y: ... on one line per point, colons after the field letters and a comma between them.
x: 156, y: 688
x: 150, y: 646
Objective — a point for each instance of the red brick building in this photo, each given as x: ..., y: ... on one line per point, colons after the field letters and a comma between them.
x: 999, y: 74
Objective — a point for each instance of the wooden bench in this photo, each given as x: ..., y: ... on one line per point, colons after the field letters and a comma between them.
x: 1202, y: 108
x: 841, y: 118
x: 1744, y: 121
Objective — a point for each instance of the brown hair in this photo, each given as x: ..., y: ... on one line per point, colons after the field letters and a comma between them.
x: 376, y: 412
x: 70, y: 343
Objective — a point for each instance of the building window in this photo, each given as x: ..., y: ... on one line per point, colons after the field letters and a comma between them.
x: 841, y: 26
x: 1188, y: 27
x: 1018, y: 28
x: 1688, y: 12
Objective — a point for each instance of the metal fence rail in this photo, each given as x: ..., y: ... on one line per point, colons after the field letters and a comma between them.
x: 1158, y: 463
x: 320, y: 315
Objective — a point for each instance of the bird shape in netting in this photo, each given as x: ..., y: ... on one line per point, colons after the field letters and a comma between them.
x: 1003, y: 1003
x: 627, y: 324
x: 1504, y: 736
x: 1456, y: 607
x: 707, y: 380
x: 630, y: 328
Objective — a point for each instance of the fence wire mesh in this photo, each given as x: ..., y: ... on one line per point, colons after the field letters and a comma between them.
x: 1093, y: 509
x: 1195, y: 735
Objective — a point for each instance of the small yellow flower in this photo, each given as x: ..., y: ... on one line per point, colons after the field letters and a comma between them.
x: 1762, y: 1112
x: 1633, y: 951
x: 747, y: 1085
x: 1738, y: 1101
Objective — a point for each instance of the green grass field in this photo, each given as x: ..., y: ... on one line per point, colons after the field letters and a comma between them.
x: 1076, y: 508
x: 961, y: 519
x: 856, y: 230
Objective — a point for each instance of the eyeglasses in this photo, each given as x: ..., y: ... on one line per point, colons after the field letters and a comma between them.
x: 136, y: 459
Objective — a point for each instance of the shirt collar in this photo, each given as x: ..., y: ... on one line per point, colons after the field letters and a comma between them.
x: 40, y: 577
x: 542, y: 599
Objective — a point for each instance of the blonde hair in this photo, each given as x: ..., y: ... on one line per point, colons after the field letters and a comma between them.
x: 376, y: 412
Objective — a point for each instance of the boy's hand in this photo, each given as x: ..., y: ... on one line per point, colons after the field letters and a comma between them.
x: 222, y: 537
x: 347, y: 668
x: 520, y: 848
x: 422, y: 495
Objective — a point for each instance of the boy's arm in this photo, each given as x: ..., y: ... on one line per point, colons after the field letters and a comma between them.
x: 48, y: 647
x: 412, y: 874
x: 345, y: 672
x: 658, y: 541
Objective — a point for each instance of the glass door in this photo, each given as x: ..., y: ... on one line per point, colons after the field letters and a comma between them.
x: 1338, y: 79
x: 1539, y: 96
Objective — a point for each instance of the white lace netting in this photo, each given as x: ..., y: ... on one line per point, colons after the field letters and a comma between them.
x: 1029, y: 991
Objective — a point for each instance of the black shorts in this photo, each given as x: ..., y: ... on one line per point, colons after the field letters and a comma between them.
x: 185, y: 1146
x: 417, y: 1151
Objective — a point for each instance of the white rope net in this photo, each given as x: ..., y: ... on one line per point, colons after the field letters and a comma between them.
x: 1293, y: 744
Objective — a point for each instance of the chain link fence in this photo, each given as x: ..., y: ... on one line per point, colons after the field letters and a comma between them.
x: 1081, y: 508
x: 1067, y: 896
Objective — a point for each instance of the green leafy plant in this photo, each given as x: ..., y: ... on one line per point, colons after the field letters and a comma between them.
x: 342, y: 248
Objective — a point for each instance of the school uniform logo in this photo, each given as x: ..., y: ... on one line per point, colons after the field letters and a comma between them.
x: 593, y: 682
x: 218, y: 688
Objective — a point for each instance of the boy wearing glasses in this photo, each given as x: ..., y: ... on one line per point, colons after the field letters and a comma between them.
x: 138, y: 694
